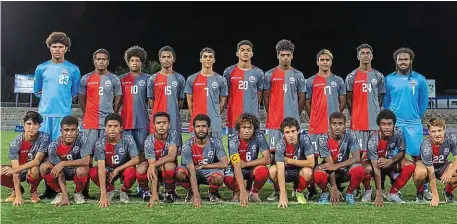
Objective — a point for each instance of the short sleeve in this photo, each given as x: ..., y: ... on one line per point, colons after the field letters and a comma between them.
x: 381, y: 83
x: 267, y: 81
x: 189, y: 85
x: 223, y: 86
x: 227, y: 74
x: 219, y: 148
x: 43, y: 142
x: 234, y: 144
x: 261, y: 79
x: 373, y: 147
x: 453, y: 143
x: 323, y: 147
x: 182, y: 85
x: 82, y: 85
x: 263, y: 144
x: 341, y: 87
x: 350, y: 81
x: 186, y: 155
x: 52, y: 153
x: 100, y: 149
x: 306, y: 145
x: 133, y: 149
x: 150, y: 87
x: 309, y: 88
x: 149, y: 151
x: 426, y: 152
x: 401, y: 144
x: 13, y: 152
x: 117, y: 86
x: 301, y: 83
x: 353, y: 145
x: 280, y: 150
x: 85, y: 146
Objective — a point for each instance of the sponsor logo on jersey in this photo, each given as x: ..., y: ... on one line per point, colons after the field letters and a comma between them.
x: 333, y: 84
x: 141, y: 83
x: 292, y: 80
x: 159, y: 84
x: 277, y: 79
x: 319, y: 84
x: 125, y: 83
x: 92, y: 83
x: 251, y: 78
x: 214, y: 85
x: 199, y: 84
x: 174, y: 84
x: 235, y: 77
x: 374, y: 81
x: 108, y: 83
x: 359, y: 81
x: 121, y: 151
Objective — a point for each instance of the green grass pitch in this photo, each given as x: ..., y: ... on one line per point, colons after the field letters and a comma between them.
x: 137, y: 212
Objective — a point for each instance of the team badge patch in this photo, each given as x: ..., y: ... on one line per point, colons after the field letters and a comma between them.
x: 76, y: 149
x: 121, y: 151
x: 446, y: 151
x: 64, y: 71
x: 214, y: 85
x: 374, y: 81
x: 107, y: 83
x: 292, y: 80
x: 333, y: 84
x: 141, y: 82
x: 251, y: 78
x: 174, y: 84
x: 413, y: 82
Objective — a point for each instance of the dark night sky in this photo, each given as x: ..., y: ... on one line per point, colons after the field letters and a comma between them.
x: 430, y: 29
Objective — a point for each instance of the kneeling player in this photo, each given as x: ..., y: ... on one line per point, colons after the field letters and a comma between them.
x: 434, y: 162
x: 203, y: 159
x: 244, y: 148
x: 116, y: 155
x: 384, y: 160
x: 160, y: 151
x: 294, y: 161
x: 69, y: 158
x: 26, y: 153
x: 335, y: 148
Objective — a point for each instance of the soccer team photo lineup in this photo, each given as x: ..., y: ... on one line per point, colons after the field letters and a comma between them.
x: 339, y: 158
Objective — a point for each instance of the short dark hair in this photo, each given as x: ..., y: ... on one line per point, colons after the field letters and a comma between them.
x: 386, y: 114
x: 289, y: 122
x: 247, y: 117
x: 202, y: 117
x: 208, y: 50
x: 404, y: 50
x: 135, y: 51
x: 168, y: 48
x: 362, y: 46
x: 114, y: 117
x: 244, y: 42
x: 101, y: 51
x: 34, y: 116
x: 69, y: 120
x: 322, y: 52
x: 285, y: 45
x: 58, y: 37
x: 161, y: 114
x: 337, y: 115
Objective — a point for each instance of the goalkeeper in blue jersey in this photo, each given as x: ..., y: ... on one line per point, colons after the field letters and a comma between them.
x: 56, y: 83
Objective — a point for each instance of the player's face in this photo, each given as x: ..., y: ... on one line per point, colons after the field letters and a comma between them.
x: 201, y: 129
x: 246, y: 130
x: 387, y: 126
x: 101, y: 62
x: 69, y: 133
x: 285, y: 58
x: 135, y: 64
x: 291, y: 135
x: 365, y: 55
x: 113, y: 129
x: 161, y: 125
x: 437, y: 134
x: 324, y: 62
x: 57, y: 50
x: 207, y: 59
x: 245, y: 53
x: 337, y: 126
x: 31, y: 128
x: 166, y: 59
x: 404, y: 62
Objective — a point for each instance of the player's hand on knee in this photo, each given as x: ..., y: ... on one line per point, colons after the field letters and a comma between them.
x: 8, y: 171
x: 18, y: 201
x: 151, y: 173
x: 197, y: 202
x: 243, y: 198
x: 56, y: 169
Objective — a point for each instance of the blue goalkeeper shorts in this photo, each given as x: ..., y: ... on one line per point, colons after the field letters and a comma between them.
x: 51, y: 126
x: 413, y: 138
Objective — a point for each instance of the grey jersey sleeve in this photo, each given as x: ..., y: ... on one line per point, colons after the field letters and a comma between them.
x: 350, y: 81
x: 381, y: 83
x: 280, y: 150
x: 133, y: 149
x: 13, y: 152
x: 223, y: 86
x: 301, y: 82
x: 150, y: 87
x: 341, y: 86
x: 401, y: 144
x: 182, y: 86
x: 373, y: 147
x: 85, y: 146
x: 306, y: 145
x: 99, y: 149
x: 117, y: 86
x: 267, y: 81
x: 52, y: 153
x: 190, y: 85
x: 323, y: 146
x: 234, y: 144
x: 149, y: 151
x: 219, y: 148
x: 82, y: 85
x: 263, y: 144
x: 43, y: 142
x: 426, y: 152
x: 453, y: 142
x: 186, y: 155
x: 352, y: 144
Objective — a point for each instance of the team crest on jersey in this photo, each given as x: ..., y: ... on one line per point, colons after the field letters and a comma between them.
x: 374, y: 81
x: 210, y: 153
x: 292, y: 80
x: 344, y: 145
x: 214, y: 85
x: 446, y: 151
x: 64, y: 71
x: 333, y: 84
x: 108, y: 83
x: 76, y: 149
x: 413, y: 82
x: 121, y: 151
x: 174, y: 84
x: 141, y: 83
x: 251, y: 78
x: 392, y: 145
x: 167, y: 144
x: 254, y: 147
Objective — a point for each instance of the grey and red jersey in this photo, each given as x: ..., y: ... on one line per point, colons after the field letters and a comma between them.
x: 206, y: 93
x: 25, y: 151
x: 379, y: 148
x: 58, y: 151
x: 299, y: 151
x: 166, y: 91
x: 365, y: 88
x: 339, y: 150
x: 134, y: 101
x: 243, y: 87
x: 212, y: 152
x: 248, y: 150
x: 116, y: 155
x: 323, y: 93
x: 100, y: 91
x: 284, y: 87
x: 156, y: 149
x: 437, y: 156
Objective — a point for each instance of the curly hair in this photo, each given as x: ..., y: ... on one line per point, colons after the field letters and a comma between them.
x: 135, y: 51
x: 247, y: 117
x: 58, y: 37
x: 404, y: 50
x: 289, y: 122
x: 285, y: 45
x: 386, y: 115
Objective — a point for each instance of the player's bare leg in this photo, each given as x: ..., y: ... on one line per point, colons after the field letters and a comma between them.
x: 33, y: 177
x: 305, y: 176
x: 7, y: 181
x: 80, y: 178
x: 61, y: 180
x: 168, y: 176
x: 142, y: 178
x: 273, y: 174
x: 366, y: 196
x: 420, y: 177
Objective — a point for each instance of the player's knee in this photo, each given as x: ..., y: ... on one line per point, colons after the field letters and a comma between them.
x: 82, y: 171
x: 420, y: 173
x: 357, y: 171
x: 93, y: 173
x: 130, y: 173
x: 180, y: 175
x: 368, y: 168
x: 142, y: 168
x: 307, y: 173
x: 273, y: 172
x: 217, y: 180
x: 45, y: 168
x: 320, y: 176
x: 34, y: 172
x: 169, y: 166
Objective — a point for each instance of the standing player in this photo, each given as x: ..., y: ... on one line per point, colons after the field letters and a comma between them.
x: 56, y: 84
x: 326, y: 94
x: 99, y: 95
x: 386, y: 153
x: 161, y: 151
x: 284, y: 92
x: 203, y: 158
x: 166, y: 92
x: 26, y: 152
x: 434, y: 162
x: 69, y: 158
x: 246, y: 146
x: 365, y: 92
x: 341, y: 163
x: 134, y: 101
x: 294, y: 161
x: 207, y: 92
x: 116, y: 155
x: 245, y: 83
